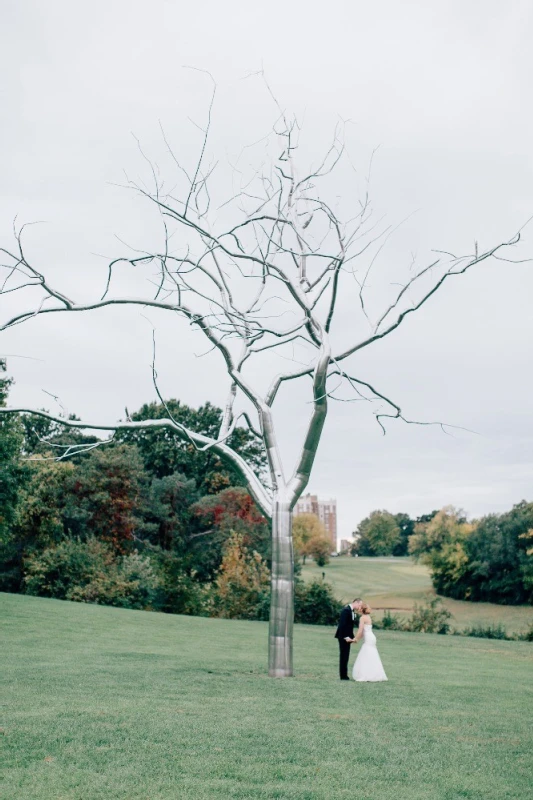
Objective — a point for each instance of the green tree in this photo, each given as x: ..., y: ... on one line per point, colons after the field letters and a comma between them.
x: 13, y: 474
x: 500, y: 554
x: 377, y: 535
x: 41, y: 514
x: 103, y: 495
x: 107, y: 496
x: 164, y: 453
x: 490, y: 561
x: 169, y: 512
x: 44, y: 436
x: 180, y: 591
x: 39, y: 519
x: 407, y: 528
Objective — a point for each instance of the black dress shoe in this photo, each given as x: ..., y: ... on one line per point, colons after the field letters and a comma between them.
x: 345, y: 679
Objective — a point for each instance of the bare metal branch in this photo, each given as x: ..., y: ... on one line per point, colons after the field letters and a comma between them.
x: 257, y: 490
x: 272, y: 280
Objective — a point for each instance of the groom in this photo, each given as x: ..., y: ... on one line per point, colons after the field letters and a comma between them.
x: 345, y: 635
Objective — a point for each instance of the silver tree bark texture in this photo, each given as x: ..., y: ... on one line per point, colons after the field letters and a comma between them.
x: 261, y: 280
x: 280, y: 661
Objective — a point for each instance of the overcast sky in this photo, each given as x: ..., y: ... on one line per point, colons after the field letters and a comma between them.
x: 444, y: 90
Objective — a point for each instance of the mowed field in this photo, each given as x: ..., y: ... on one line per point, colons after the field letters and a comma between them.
x: 398, y: 583
x: 108, y: 704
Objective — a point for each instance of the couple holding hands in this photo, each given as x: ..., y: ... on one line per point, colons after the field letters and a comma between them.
x: 368, y: 666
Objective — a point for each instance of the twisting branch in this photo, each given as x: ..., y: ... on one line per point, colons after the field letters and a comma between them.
x: 397, y: 411
x: 436, y: 286
x: 68, y: 450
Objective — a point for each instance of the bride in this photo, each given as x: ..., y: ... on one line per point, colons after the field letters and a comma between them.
x: 368, y: 666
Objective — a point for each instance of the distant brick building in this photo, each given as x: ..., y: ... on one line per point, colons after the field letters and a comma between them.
x: 325, y: 510
x: 346, y: 544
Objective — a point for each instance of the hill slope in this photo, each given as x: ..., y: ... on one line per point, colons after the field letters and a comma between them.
x: 128, y: 705
x: 398, y: 583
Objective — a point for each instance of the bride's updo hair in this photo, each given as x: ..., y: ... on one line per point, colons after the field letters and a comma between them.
x: 365, y: 608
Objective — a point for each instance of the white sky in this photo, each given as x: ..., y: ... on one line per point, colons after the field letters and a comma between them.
x: 443, y: 88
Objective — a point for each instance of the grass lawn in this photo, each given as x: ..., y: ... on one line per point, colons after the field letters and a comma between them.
x: 397, y: 583
x: 101, y: 703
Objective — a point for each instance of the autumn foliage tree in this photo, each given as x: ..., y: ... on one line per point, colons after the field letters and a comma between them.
x: 446, y: 527
x: 106, y: 496
x: 216, y: 517
x: 242, y: 582
x: 310, y: 538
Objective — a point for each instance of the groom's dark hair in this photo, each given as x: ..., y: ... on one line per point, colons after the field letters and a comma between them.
x: 357, y: 600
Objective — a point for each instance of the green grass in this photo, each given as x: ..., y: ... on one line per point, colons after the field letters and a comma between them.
x: 101, y: 703
x: 398, y: 583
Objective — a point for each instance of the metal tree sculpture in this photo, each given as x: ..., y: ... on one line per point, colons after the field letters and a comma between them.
x: 267, y: 283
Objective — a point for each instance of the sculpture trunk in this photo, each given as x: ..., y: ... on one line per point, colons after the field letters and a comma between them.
x: 282, y: 599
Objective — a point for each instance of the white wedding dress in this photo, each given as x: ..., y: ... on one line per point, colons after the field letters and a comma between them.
x: 368, y: 666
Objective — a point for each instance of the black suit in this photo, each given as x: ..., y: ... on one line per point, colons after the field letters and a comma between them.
x: 345, y: 630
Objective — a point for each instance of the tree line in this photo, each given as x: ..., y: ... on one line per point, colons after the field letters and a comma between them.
x: 488, y: 559
x: 145, y: 520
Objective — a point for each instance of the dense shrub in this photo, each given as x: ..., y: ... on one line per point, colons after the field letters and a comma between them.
x: 315, y: 604
x: 180, y: 592
x: 139, y: 580
x: 527, y: 635
x: 485, y: 631
x: 429, y: 617
x: 496, y: 632
x: 88, y: 572
x: 390, y: 622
